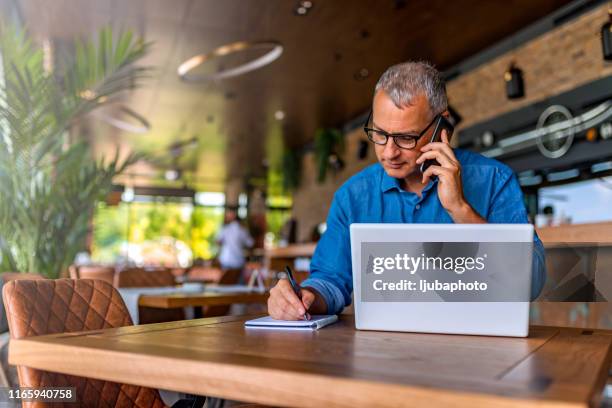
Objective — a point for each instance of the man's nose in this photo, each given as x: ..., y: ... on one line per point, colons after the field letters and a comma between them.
x: 391, y: 150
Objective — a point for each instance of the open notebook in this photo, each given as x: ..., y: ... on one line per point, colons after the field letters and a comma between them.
x: 315, y: 323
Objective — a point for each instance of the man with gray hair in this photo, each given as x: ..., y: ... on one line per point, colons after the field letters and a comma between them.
x: 459, y: 187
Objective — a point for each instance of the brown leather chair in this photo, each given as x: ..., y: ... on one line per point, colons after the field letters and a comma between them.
x: 208, y: 274
x: 101, y: 272
x: 73, y: 272
x: 8, y: 373
x: 10, y: 276
x: 74, y: 305
x: 229, y: 277
x: 141, y: 278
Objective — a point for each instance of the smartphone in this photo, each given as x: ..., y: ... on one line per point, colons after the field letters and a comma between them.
x: 441, y: 123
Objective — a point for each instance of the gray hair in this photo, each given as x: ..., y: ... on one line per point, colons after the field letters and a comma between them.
x: 402, y: 82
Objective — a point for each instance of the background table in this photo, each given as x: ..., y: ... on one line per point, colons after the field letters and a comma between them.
x: 173, y: 300
x: 336, y: 366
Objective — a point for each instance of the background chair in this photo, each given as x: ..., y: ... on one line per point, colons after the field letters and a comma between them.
x: 141, y: 278
x: 206, y: 274
x: 101, y: 272
x: 228, y: 277
x: 73, y: 305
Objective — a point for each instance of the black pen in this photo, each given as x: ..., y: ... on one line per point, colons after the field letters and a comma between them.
x: 295, y: 287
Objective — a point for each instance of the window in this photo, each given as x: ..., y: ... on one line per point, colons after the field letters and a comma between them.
x: 580, y: 202
x: 156, y: 232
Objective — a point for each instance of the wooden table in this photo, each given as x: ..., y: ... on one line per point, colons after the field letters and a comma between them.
x: 336, y: 366
x: 174, y: 300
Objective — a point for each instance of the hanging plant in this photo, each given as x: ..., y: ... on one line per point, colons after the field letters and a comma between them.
x: 292, y: 169
x: 328, y: 142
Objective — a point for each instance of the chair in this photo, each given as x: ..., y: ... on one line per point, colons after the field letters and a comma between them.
x: 37, y: 307
x: 179, y: 273
x: 101, y: 272
x: 208, y: 274
x: 141, y: 278
x: 8, y: 373
x: 229, y: 277
x: 73, y: 272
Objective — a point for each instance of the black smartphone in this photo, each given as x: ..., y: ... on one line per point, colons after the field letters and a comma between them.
x: 441, y: 123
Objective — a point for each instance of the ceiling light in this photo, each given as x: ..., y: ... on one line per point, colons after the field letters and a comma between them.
x: 362, y: 74
x: 515, y: 87
x: 279, y: 115
x: 303, y: 7
x: 275, y: 50
x: 487, y: 139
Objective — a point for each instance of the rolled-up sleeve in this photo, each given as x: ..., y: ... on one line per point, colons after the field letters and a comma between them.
x: 508, y: 207
x: 330, y: 268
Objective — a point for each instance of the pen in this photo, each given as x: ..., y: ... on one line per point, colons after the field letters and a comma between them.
x: 295, y: 287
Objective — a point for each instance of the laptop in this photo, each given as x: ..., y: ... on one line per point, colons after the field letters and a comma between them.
x: 470, y: 279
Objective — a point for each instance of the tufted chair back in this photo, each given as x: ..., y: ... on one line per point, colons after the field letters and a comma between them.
x: 37, y: 307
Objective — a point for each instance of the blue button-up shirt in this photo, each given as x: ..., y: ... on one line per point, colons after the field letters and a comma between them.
x: 371, y: 196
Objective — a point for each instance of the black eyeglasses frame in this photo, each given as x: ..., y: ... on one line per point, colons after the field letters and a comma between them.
x: 394, y: 136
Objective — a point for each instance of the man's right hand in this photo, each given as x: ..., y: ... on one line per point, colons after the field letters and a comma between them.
x: 283, y: 304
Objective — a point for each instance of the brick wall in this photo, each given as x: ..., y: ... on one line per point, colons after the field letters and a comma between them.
x: 554, y: 62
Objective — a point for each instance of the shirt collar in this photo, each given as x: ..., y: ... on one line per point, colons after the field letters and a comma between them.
x: 389, y: 183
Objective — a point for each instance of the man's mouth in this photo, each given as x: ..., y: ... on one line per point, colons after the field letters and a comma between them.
x: 394, y: 165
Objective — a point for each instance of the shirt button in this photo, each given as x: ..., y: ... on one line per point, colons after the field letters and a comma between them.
x: 418, y: 206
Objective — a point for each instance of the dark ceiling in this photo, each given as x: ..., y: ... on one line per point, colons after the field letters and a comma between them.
x: 314, y: 82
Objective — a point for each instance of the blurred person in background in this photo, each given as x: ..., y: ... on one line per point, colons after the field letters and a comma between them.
x: 233, y: 239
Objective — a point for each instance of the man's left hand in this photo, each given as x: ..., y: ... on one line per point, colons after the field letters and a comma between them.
x: 450, y: 188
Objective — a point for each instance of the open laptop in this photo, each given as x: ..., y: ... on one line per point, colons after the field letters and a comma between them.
x: 466, y: 278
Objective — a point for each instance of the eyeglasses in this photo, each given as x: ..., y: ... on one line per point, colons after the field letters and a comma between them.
x: 401, y: 140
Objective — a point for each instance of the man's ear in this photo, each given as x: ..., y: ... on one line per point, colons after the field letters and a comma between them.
x: 446, y: 114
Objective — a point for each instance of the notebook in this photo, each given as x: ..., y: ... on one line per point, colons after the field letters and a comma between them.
x: 316, y: 322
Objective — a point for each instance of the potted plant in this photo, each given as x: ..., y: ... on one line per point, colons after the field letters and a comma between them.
x: 328, y: 143
x: 49, y: 180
